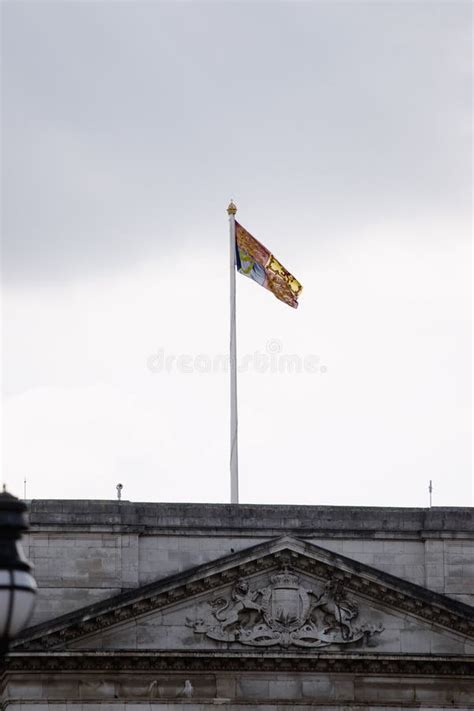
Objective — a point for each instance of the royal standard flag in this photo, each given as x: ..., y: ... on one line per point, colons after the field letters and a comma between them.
x: 256, y: 261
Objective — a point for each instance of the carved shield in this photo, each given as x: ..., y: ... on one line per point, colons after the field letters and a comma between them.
x: 286, y: 606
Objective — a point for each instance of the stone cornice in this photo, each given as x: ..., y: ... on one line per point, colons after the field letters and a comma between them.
x: 306, y: 558
x: 244, y: 518
x: 178, y: 661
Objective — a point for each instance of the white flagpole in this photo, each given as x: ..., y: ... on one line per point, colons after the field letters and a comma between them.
x: 234, y: 457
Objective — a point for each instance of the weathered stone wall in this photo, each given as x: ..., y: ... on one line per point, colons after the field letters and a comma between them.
x: 238, y: 692
x: 86, y: 551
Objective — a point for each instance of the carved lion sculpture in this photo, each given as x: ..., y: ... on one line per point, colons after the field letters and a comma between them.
x: 228, y: 612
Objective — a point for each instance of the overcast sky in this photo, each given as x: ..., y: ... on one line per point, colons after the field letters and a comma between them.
x: 343, y: 132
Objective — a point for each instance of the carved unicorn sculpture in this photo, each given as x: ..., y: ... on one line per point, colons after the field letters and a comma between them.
x: 335, y: 605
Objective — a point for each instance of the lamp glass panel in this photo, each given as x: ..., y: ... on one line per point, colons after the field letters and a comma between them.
x: 5, y: 593
x: 22, y: 607
x: 24, y: 580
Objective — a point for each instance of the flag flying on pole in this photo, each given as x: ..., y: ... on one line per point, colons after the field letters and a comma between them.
x: 257, y: 262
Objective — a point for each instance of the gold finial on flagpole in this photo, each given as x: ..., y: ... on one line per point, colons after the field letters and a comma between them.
x: 232, y: 209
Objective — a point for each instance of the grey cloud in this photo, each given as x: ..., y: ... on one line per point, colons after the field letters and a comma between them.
x: 127, y: 126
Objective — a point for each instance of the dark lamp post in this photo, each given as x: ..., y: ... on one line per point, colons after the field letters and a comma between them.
x: 17, y: 585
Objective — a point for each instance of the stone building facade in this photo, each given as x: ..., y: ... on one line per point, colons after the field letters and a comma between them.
x: 182, y: 607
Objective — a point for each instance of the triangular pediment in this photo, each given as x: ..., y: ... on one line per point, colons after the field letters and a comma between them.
x: 284, y: 595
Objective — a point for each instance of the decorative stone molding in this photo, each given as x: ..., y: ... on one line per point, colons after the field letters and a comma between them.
x: 180, y: 661
x: 284, y: 613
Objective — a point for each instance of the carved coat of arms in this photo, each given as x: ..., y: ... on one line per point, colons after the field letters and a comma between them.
x: 284, y: 613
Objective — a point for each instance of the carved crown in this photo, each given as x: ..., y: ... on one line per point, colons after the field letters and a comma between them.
x: 285, y: 578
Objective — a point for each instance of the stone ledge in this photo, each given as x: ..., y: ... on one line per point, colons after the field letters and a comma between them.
x: 306, y: 520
